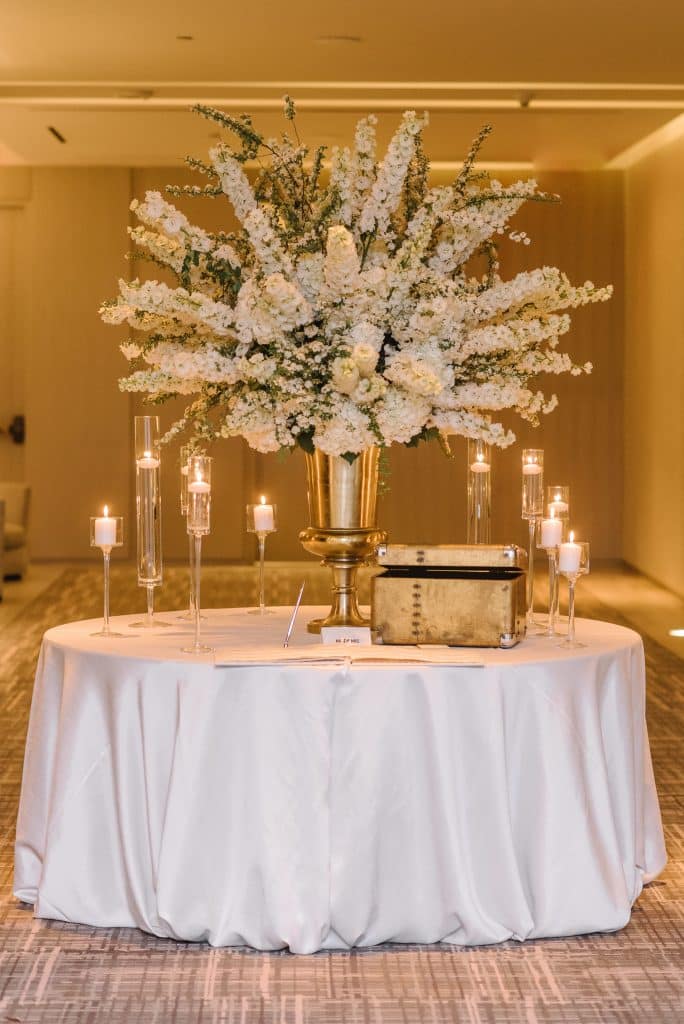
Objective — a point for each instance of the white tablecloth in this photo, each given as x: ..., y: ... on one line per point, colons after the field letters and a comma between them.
x: 334, y: 806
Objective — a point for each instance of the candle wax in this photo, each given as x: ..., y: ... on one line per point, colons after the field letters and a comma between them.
x: 263, y: 519
x: 569, y: 557
x: 199, y: 487
x: 479, y: 467
x: 551, y: 533
x: 531, y: 469
x: 105, y: 531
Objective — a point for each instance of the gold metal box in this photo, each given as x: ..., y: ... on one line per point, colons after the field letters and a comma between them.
x: 462, y: 595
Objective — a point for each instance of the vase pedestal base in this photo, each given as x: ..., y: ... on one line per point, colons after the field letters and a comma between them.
x: 343, y: 551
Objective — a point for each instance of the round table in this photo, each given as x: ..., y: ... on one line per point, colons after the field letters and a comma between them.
x: 335, y: 805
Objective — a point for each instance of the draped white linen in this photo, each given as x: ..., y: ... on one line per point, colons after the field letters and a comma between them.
x: 330, y: 806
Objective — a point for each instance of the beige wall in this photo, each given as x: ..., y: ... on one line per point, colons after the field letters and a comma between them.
x: 78, y: 452
x: 654, y: 366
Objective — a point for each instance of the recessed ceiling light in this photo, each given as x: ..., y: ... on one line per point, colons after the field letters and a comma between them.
x: 338, y: 39
x: 677, y: 632
x: 186, y: 39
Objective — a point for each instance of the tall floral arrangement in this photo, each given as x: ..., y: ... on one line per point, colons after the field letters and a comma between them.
x: 345, y: 311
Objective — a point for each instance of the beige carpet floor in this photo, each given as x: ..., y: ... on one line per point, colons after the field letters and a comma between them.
x: 52, y: 973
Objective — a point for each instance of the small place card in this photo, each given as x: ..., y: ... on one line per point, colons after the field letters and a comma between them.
x: 356, y: 636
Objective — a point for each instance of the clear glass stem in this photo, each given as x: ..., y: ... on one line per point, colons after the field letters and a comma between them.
x: 106, y: 553
x: 553, y: 591
x: 191, y: 563
x: 196, y: 597
x: 262, y: 555
x: 149, y: 618
x: 530, y: 572
x: 571, y: 609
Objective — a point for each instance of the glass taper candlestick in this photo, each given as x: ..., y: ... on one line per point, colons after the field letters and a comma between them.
x: 198, y: 526
x: 479, y: 492
x: 550, y: 628
x: 106, y: 532
x: 148, y: 513
x: 262, y: 519
x: 532, y: 510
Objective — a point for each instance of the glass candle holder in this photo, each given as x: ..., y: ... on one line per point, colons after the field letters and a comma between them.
x: 573, y: 562
x: 558, y: 504
x: 551, y: 535
x: 148, y: 513
x: 532, y: 510
x: 198, y: 526
x: 261, y: 519
x: 106, y: 532
x: 479, y: 492
x: 185, y: 452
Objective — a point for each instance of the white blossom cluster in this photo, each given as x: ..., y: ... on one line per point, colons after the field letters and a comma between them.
x: 343, y: 315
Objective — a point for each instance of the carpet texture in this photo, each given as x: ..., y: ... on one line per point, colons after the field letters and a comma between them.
x: 53, y: 973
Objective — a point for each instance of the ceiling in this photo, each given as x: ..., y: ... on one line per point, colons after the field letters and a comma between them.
x: 572, y: 84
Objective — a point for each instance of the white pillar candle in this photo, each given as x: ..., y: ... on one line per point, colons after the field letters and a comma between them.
x: 263, y: 517
x: 551, y: 532
x: 148, y: 461
x: 570, y: 556
x: 105, y: 530
x: 531, y: 469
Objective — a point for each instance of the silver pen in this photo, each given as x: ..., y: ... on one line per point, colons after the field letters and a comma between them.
x: 294, y: 615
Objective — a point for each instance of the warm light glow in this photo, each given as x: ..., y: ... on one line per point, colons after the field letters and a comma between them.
x: 553, y: 512
x: 677, y: 632
x: 147, y: 455
x: 480, y: 456
x: 572, y: 536
x: 557, y: 498
x: 106, y: 511
x: 263, y: 499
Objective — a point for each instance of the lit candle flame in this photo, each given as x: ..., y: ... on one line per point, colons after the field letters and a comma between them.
x: 572, y: 536
x: 553, y: 512
x: 147, y: 455
x: 106, y: 511
x: 263, y: 499
x: 557, y: 498
x: 480, y: 456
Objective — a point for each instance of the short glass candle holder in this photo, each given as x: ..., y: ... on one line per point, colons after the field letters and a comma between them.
x: 106, y: 532
x: 573, y: 562
x: 186, y: 451
x: 479, y: 492
x: 551, y: 535
x: 261, y: 519
x: 532, y: 511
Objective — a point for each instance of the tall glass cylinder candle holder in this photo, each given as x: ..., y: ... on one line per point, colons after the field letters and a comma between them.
x: 198, y: 526
x: 479, y: 492
x: 185, y: 453
x: 148, y: 513
x: 262, y: 519
x: 532, y: 511
x: 551, y: 534
x: 106, y: 532
x: 558, y: 506
x: 573, y: 562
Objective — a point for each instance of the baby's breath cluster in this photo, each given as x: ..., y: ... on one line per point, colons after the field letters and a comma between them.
x: 343, y: 313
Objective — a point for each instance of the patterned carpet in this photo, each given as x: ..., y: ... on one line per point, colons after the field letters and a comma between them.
x: 51, y: 973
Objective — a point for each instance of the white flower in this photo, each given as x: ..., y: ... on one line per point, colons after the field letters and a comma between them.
x: 345, y: 374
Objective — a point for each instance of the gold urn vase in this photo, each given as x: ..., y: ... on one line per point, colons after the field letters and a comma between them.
x: 342, y: 530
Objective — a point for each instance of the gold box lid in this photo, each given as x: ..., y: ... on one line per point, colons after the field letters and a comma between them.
x: 491, y: 556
